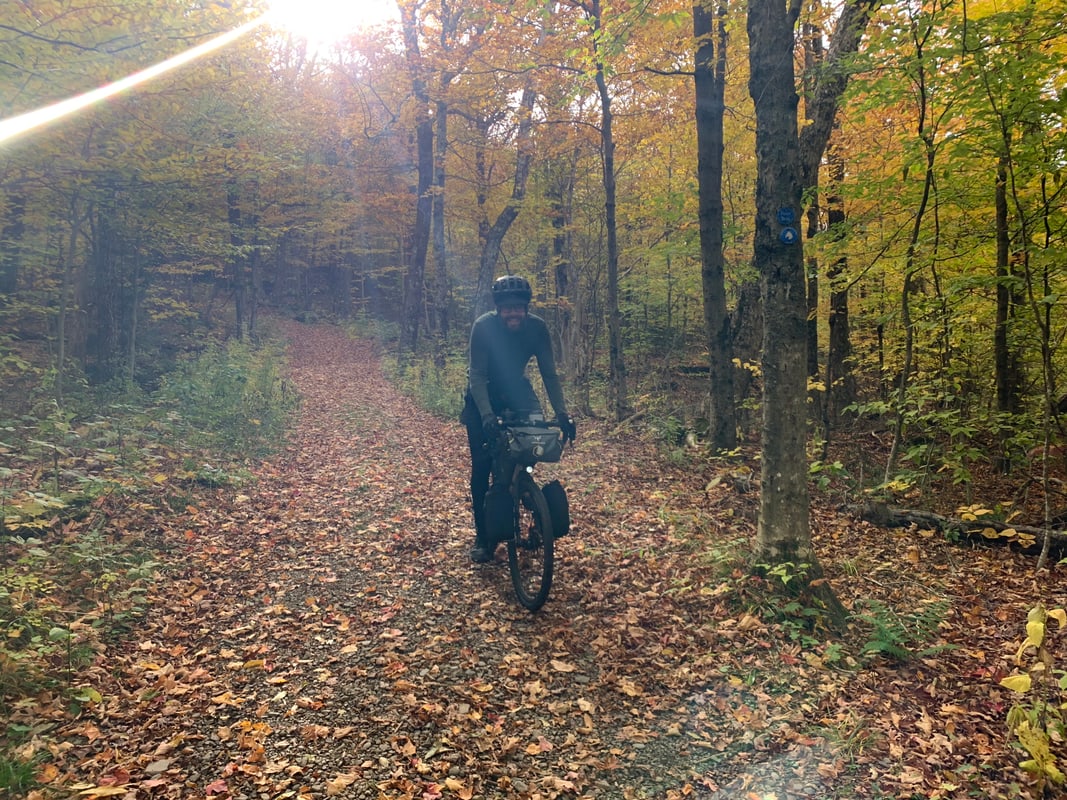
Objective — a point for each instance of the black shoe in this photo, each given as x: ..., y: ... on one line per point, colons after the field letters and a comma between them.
x: 480, y: 554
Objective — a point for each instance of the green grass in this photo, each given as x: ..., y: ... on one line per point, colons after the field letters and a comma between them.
x: 17, y: 777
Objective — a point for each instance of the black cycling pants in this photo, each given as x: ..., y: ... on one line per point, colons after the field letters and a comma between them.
x: 481, y: 468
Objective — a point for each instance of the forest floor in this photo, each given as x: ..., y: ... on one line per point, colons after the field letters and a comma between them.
x: 320, y: 632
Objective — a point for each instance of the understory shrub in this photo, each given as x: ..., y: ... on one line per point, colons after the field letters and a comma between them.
x: 435, y: 387
x: 71, y: 574
x: 230, y: 397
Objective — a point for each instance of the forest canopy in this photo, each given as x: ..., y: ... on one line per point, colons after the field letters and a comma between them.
x: 387, y: 176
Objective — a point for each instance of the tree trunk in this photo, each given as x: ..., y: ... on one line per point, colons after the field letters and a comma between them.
x: 814, y: 56
x: 440, y: 253
x: 486, y: 262
x: 561, y: 266
x: 105, y: 285
x: 237, y: 277
x: 616, y: 358
x: 840, y: 382
x: 812, y: 275
x: 494, y: 234
x: 783, y: 534
x: 746, y: 331
x: 416, y: 271
x: 825, y: 96
x: 826, y: 80
x: 983, y: 531
x: 449, y: 18
x: 424, y: 151
x: 710, y: 89
x: 494, y: 237
x: 1005, y: 362
x: 571, y: 307
x: 926, y: 134
x: 253, y: 280
x: 69, y: 253
x: 135, y: 304
x: 11, y: 234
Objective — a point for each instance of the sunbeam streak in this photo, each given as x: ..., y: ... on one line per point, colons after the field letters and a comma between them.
x: 24, y: 123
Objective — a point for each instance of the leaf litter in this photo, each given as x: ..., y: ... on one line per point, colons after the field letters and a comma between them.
x: 321, y: 633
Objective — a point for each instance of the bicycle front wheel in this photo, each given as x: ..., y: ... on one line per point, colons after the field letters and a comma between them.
x: 530, y: 549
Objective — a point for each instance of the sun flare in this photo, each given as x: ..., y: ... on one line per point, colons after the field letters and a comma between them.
x: 326, y: 22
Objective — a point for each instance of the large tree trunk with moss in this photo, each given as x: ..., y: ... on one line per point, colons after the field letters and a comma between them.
x: 784, y: 534
x: 783, y: 531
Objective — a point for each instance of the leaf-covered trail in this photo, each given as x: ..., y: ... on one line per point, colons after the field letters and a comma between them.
x: 322, y: 634
x: 328, y: 637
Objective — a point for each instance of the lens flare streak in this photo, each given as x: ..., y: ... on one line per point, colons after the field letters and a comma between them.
x: 24, y: 123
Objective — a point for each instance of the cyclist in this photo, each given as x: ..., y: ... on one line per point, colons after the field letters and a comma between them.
x: 501, y: 345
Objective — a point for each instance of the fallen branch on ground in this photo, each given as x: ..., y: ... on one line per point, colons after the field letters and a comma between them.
x: 988, y: 530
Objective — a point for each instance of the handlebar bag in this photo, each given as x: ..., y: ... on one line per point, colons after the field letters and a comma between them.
x: 528, y: 445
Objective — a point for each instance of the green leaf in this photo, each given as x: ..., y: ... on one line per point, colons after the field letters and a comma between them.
x: 87, y: 694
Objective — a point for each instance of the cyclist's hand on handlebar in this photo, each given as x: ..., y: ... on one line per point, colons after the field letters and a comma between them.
x: 491, y: 427
x: 566, y: 424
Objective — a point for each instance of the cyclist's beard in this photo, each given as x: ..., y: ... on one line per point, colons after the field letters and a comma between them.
x: 513, y: 322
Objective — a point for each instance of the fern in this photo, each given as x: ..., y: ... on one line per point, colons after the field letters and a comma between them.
x: 902, y: 635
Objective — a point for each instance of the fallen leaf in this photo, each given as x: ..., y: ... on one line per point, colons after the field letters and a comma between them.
x: 104, y: 791
x: 749, y: 623
x: 1017, y: 683
x: 462, y: 790
x: 339, y: 783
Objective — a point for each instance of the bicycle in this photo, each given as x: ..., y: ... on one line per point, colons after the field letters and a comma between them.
x: 528, y: 518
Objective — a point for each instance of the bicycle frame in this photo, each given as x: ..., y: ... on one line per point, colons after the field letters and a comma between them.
x: 531, y: 543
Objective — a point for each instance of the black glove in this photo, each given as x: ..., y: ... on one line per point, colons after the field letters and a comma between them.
x: 491, y: 428
x: 566, y: 424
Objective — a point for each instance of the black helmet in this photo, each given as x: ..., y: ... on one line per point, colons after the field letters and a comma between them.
x: 508, y: 289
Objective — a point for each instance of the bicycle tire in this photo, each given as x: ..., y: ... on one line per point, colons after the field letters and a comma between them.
x: 531, y: 551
